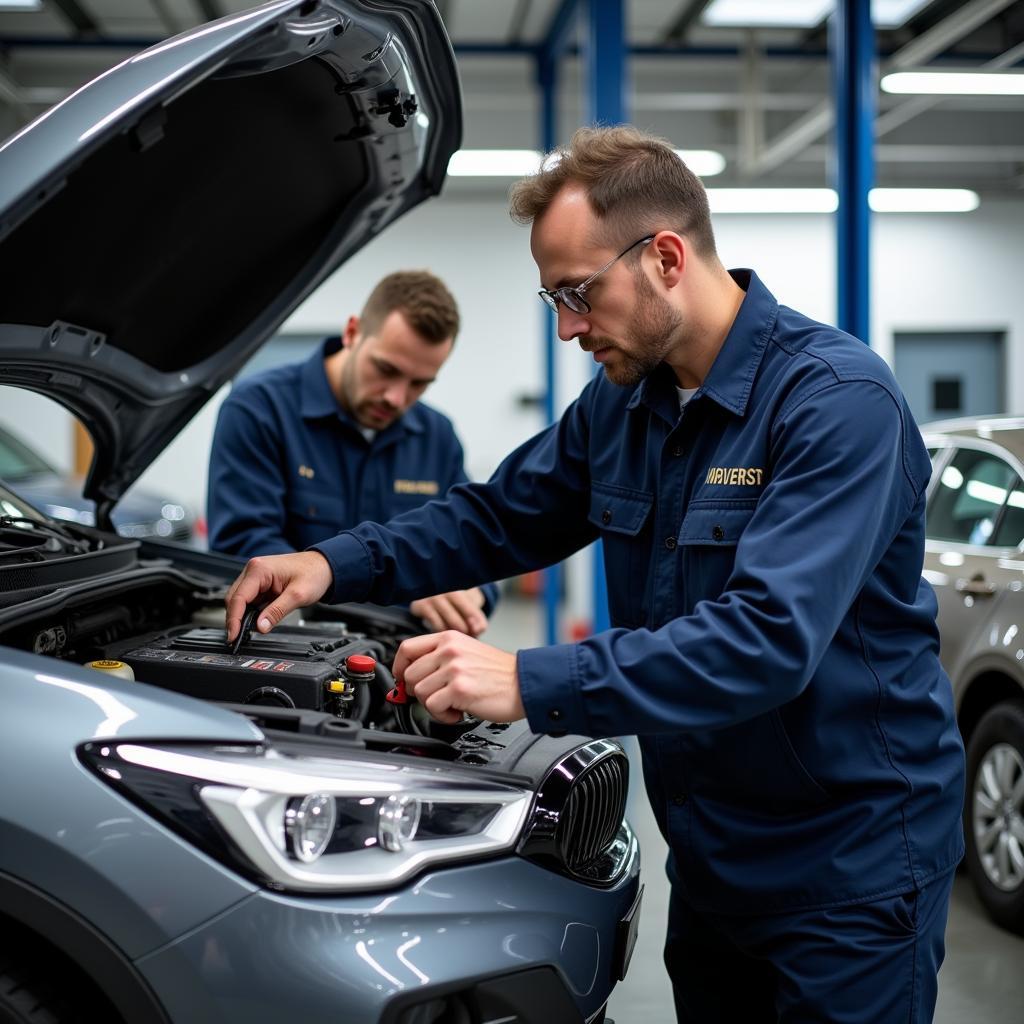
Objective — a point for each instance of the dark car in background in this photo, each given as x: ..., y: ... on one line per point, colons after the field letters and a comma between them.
x: 975, y: 561
x: 194, y: 833
x: 139, y: 514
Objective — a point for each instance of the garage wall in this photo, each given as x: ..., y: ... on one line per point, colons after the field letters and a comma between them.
x: 930, y: 272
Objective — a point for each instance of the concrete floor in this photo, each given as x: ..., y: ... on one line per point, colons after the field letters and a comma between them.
x: 981, y: 981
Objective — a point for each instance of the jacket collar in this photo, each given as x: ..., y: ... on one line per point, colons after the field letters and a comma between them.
x: 732, y: 374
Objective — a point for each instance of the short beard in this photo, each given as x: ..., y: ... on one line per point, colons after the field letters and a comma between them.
x: 653, y: 331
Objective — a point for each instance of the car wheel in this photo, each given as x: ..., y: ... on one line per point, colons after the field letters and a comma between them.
x: 26, y: 999
x: 994, y: 813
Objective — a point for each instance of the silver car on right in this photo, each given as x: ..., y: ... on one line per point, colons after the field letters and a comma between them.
x: 974, y: 558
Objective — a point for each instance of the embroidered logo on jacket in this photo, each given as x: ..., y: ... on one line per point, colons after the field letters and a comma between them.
x: 416, y: 487
x: 735, y: 476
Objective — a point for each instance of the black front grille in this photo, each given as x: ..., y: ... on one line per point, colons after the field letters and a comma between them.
x: 576, y: 826
x: 594, y: 812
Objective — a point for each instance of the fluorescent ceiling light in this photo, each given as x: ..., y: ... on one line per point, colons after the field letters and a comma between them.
x: 493, y: 163
x: 955, y: 83
x: 514, y: 163
x: 705, y: 163
x: 923, y: 200
x: 801, y: 13
x: 825, y: 200
x: 772, y: 200
x: 21, y: 5
x: 758, y: 13
x: 893, y: 13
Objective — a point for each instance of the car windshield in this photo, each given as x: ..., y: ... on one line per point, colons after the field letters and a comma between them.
x: 17, y: 461
x: 17, y: 508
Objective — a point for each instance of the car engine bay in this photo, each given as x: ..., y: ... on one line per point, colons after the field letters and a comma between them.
x: 154, y: 613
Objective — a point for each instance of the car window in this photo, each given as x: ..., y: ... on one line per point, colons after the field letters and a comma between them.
x: 1010, y: 531
x: 967, y: 505
x: 18, y: 461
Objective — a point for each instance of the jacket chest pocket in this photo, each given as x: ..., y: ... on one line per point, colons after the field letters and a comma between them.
x: 313, y: 516
x: 623, y: 517
x: 708, y: 538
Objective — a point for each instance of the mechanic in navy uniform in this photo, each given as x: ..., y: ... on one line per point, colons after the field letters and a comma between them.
x: 303, y: 451
x: 758, y: 484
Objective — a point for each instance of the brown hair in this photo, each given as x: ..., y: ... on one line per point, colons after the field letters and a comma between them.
x: 635, y: 182
x: 420, y: 297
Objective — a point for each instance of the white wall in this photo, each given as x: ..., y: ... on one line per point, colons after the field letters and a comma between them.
x: 943, y: 272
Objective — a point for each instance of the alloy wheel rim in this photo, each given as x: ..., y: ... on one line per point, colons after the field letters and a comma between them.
x: 998, y: 818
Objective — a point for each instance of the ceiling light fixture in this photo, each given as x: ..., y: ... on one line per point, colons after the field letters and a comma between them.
x: 758, y: 14
x: 955, y: 83
x: 800, y: 13
x: 825, y: 200
x: 705, y: 163
x: 21, y: 5
x: 514, y: 163
x: 493, y: 163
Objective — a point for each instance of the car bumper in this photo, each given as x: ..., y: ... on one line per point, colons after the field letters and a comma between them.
x: 504, y: 939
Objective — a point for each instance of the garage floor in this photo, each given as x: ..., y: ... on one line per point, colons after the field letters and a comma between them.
x: 982, y: 979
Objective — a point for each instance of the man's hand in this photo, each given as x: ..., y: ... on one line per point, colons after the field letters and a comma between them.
x: 294, y: 580
x: 449, y: 673
x: 459, y: 609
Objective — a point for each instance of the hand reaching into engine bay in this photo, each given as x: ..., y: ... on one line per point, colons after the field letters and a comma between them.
x: 450, y: 672
x: 292, y: 581
x: 459, y: 609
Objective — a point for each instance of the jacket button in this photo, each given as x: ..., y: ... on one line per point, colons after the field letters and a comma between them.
x: 677, y: 451
x: 718, y: 533
x: 555, y: 715
x: 606, y: 516
x: 679, y: 799
x: 670, y: 543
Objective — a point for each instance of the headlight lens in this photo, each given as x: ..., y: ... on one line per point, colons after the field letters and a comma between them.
x: 309, y: 824
x: 316, y: 823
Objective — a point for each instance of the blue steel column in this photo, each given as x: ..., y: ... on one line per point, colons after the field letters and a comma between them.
x: 606, y: 75
x: 547, y: 79
x: 852, y: 48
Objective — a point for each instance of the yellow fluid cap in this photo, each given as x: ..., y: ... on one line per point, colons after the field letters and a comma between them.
x: 336, y: 686
x: 112, y: 668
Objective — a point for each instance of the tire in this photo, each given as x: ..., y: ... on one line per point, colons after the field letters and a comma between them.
x: 25, y: 998
x: 40, y: 985
x: 994, y: 813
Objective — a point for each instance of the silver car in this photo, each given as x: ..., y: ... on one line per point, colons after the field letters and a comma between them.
x: 975, y: 561
x: 263, y: 833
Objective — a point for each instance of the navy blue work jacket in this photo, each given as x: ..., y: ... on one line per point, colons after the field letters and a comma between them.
x: 289, y: 467
x: 773, y: 642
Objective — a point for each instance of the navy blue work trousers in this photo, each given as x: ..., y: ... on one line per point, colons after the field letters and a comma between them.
x: 870, y: 963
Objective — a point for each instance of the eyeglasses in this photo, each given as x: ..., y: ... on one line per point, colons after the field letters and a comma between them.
x: 572, y: 297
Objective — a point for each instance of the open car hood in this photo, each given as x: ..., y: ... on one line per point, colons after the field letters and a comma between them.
x: 159, y: 224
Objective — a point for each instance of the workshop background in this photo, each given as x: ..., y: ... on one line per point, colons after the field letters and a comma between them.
x: 748, y: 89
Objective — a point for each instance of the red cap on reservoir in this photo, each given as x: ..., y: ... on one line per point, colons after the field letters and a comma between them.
x: 360, y: 663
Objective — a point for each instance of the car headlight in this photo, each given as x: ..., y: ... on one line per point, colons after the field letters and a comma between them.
x: 315, y: 823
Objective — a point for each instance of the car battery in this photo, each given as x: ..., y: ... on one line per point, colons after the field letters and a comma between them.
x: 287, y: 668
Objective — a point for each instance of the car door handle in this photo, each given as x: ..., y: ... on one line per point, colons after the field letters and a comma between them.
x: 976, y: 586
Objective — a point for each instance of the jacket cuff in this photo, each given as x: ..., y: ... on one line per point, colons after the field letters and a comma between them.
x: 549, y: 688
x: 350, y: 563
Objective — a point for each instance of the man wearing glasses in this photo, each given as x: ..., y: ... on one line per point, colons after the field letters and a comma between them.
x: 758, y: 485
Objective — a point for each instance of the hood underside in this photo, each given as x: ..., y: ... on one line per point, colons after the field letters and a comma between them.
x: 161, y: 223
